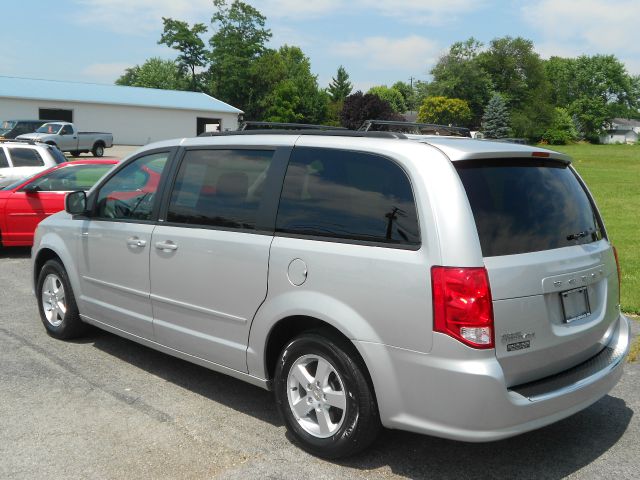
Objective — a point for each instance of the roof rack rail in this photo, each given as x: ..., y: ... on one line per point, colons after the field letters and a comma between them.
x: 21, y: 140
x: 251, y: 125
x: 324, y: 133
x: 413, y: 128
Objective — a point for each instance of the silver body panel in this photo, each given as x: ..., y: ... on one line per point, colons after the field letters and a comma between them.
x: 215, y: 298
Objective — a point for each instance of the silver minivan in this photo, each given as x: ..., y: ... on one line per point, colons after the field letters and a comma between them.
x: 453, y: 287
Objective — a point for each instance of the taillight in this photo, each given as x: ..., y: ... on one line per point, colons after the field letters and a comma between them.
x: 615, y: 254
x: 462, y: 305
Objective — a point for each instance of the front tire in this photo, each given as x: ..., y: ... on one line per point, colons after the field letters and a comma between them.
x: 57, y: 304
x: 325, y: 397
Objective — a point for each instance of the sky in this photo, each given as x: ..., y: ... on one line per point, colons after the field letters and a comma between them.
x: 378, y: 41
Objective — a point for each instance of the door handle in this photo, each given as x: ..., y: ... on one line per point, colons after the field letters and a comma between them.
x: 135, y: 242
x: 168, y: 245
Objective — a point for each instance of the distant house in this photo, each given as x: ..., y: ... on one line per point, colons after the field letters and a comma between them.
x: 622, y: 130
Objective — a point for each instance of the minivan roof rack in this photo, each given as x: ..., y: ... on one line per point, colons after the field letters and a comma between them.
x: 324, y: 133
x: 251, y: 125
x: 413, y: 127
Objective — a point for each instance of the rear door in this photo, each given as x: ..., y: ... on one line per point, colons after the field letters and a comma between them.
x: 6, y: 172
x: 552, y: 271
x: 210, y: 255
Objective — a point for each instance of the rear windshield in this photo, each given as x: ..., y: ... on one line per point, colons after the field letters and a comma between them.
x: 525, y: 206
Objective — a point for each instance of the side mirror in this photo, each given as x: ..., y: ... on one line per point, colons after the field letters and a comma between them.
x: 75, y: 203
x: 31, y: 188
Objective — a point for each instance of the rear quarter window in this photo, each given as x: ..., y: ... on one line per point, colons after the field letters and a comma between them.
x: 523, y: 206
x: 26, y: 157
x: 347, y: 195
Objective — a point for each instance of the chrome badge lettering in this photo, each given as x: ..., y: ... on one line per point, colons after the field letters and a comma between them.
x: 517, y: 337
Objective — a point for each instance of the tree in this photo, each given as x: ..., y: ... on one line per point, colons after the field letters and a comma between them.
x: 518, y: 74
x: 154, y: 73
x: 359, y: 107
x: 187, y: 41
x: 239, y: 40
x: 516, y: 71
x: 391, y: 95
x: 604, y: 90
x: 296, y: 97
x: 495, y: 121
x: 561, y: 130
x: 445, y: 111
x: 407, y: 92
x: 459, y: 74
x: 340, y: 86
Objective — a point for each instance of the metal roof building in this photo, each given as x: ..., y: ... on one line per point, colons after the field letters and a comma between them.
x: 134, y: 115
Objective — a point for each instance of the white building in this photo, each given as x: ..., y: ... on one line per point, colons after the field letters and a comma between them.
x: 623, y: 130
x: 135, y: 116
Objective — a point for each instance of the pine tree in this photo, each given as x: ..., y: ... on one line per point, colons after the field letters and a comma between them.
x: 340, y: 86
x: 495, y: 121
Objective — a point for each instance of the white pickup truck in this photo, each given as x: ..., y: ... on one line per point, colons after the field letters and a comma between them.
x: 67, y: 138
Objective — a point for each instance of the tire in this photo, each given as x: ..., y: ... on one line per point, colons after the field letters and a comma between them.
x: 98, y: 150
x: 349, y: 421
x: 57, y: 304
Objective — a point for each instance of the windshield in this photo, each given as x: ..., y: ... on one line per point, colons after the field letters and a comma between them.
x: 49, y: 128
x: 7, y: 125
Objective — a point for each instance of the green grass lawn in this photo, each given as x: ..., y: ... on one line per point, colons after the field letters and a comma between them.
x: 612, y: 173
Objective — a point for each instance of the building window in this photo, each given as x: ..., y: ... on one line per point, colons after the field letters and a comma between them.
x: 59, y: 114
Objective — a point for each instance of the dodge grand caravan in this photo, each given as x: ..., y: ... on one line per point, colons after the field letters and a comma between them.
x: 447, y: 286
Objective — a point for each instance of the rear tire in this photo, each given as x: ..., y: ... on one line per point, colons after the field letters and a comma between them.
x: 325, y: 397
x: 98, y: 150
x: 57, y: 304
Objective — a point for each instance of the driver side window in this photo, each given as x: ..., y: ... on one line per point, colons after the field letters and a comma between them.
x: 130, y: 193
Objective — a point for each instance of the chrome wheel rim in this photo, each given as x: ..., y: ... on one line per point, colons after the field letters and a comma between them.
x: 316, y: 396
x: 54, y: 303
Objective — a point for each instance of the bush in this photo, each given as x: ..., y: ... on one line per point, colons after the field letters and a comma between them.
x: 444, y: 111
x: 561, y: 130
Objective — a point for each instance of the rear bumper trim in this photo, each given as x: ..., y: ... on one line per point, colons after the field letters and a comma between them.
x: 580, y: 376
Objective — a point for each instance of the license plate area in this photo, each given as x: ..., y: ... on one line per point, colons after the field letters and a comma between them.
x: 575, y: 304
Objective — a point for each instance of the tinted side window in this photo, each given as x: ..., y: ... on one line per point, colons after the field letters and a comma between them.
x: 220, y: 188
x: 130, y: 193
x: 66, y: 130
x: 347, y: 195
x: 524, y: 206
x: 3, y: 159
x: 26, y: 157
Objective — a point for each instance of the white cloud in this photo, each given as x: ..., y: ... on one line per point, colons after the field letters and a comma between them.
x: 575, y: 27
x: 138, y: 17
x: 105, y: 72
x: 431, y: 12
x: 384, y: 53
x: 296, y: 8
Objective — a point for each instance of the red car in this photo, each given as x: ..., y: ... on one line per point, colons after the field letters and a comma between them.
x: 26, y: 203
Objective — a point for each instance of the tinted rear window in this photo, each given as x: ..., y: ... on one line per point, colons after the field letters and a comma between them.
x: 26, y: 157
x: 525, y: 206
x: 347, y: 195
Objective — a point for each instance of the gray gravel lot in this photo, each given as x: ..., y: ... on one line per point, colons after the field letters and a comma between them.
x: 105, y: 407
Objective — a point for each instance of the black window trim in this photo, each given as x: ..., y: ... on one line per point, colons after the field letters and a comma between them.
x: 353, y: 241
x: 91, y: 199
x: 266, y: 221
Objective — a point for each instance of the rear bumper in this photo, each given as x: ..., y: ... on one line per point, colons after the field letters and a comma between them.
x: 445, y: 394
